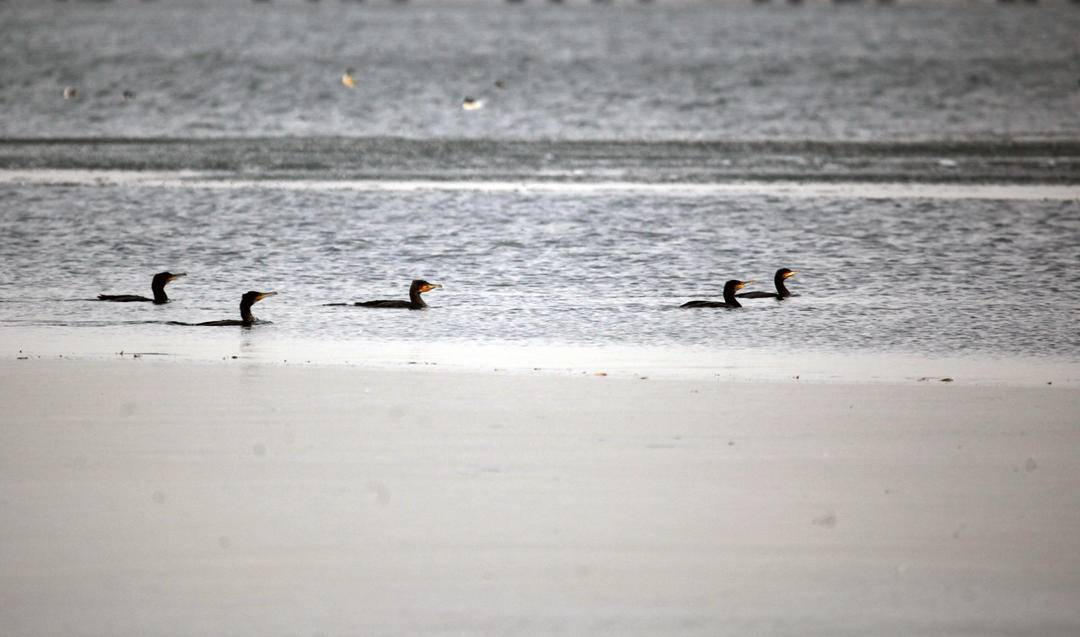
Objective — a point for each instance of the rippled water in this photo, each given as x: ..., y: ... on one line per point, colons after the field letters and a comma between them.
x: 661, y: 94
x: 671, y: 69
x: 904, y: 275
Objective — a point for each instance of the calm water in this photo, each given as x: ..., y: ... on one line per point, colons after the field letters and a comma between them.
x: 620, y: 87
x: 906, y: 275
x: 670, y: 69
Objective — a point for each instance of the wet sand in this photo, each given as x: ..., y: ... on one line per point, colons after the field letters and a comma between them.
x: 143, y: 497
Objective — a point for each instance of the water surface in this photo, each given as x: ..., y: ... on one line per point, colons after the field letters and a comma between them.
x: 581, y: 70
x: 629, y: 157
x: 901, y: 275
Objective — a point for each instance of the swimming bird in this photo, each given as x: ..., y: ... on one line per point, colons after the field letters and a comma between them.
x: 415, y: 302
x: 348, y: 79
x: 247, y: 319
x: 161, y: 279
x: 781, y: 290
x: 730, y: 288
x: 472, y: 104
x: 70, y: 92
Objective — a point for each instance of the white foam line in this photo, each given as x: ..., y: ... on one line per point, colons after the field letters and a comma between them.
x: 794, y: 189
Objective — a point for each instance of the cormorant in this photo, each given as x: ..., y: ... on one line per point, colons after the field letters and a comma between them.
x: 730, y: 288
x: 418, y: 287
x: 161, y: 279
x: 781, y: 290
x: 247, y: 319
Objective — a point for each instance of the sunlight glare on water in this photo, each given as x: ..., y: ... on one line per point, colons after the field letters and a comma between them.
x: 936, y: 277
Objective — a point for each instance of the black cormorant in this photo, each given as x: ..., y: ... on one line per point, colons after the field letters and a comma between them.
x: 415, y: 302
x: 781, y: 290
x: 157, y: 285
x: 247, y: 319
x: 730, y: 288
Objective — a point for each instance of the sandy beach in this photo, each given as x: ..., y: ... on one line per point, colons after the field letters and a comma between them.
x: 169, y: 498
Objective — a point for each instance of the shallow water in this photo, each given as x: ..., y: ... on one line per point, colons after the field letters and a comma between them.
x: 603, y: 184
x: 626, y: 70
x: 901, y: 275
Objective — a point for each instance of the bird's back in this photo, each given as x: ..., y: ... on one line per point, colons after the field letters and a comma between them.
x: 388, y: 303
x: 758, y: 295
x: 122, y: 298
x: 704, y: 304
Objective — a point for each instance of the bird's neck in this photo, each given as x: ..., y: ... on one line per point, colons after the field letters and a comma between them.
x: 781, y: 289
x: 245, y: 313
x: 729, y: 298
x: 159, y: 294
x: 414, y: 298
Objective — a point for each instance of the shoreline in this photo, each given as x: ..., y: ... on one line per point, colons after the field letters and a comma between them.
x: 692, y: 364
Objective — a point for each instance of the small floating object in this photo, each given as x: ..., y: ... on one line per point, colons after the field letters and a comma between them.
x: 472, y: 104
x: 128, y: 95
x: 500, y: 84
x: 70, y: 92
x: 946, y: 380
x: 348, y: 79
